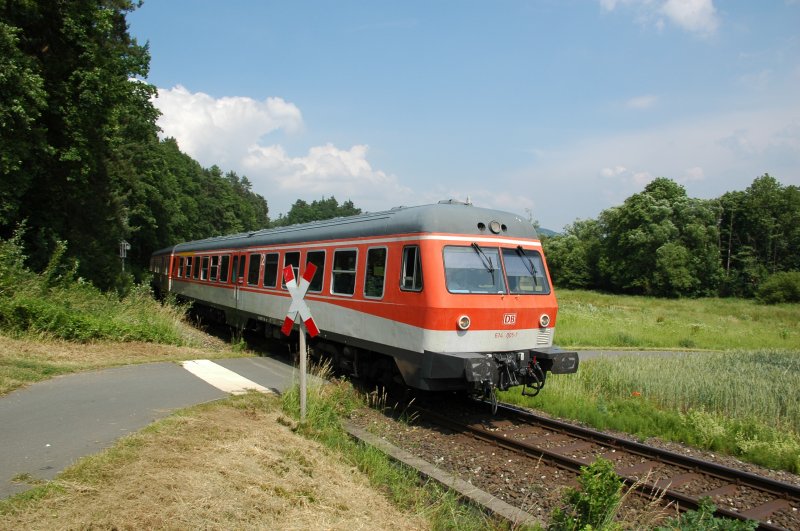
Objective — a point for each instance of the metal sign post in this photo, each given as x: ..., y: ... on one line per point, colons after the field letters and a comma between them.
x: 299, y: 307
x: 124, y: 247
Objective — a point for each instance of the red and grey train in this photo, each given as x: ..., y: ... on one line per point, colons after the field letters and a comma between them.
x: 439, y: 297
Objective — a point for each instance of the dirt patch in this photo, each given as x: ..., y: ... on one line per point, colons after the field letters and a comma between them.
x: 226, y: 466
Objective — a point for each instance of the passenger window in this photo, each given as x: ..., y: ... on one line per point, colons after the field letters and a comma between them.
x: 254, y: 269
x: 196, y: 267
x: 214, y: 268
x: 180, y: 267
x: 235, y: 269
x: 318, y: 259
x: 412, y: 272
x: 292, y: 259
x: 224, y: 265
x: 240, y: 273
x: 376, y: 273
x: 271, y: 270
x: 204, y: 269
x: 188, y: 271
x: 344, y: 272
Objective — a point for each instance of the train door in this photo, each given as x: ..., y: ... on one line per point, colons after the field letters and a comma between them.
x: 237, y: 277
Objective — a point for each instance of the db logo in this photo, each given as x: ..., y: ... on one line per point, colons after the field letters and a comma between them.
x: 509, y: 318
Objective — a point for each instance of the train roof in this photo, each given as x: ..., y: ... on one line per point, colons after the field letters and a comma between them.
x: 444, y: 217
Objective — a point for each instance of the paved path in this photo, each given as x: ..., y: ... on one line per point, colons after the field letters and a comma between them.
x: 47, y: 426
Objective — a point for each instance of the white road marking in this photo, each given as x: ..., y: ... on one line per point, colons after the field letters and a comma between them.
x: 222, y: 378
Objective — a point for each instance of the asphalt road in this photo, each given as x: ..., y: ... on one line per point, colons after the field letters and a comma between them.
x: 47, y: 426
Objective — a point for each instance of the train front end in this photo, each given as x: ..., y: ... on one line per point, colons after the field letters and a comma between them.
x: 493, y: 313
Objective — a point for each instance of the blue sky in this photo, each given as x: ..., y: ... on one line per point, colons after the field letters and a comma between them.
x: 550, y: 109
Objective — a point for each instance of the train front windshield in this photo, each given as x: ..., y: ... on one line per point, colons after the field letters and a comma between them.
x: 478, y: 269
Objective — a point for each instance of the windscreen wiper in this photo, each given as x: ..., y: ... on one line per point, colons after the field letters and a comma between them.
x: 531, y: 267
x: 522, y: 254
x: 487, y: 260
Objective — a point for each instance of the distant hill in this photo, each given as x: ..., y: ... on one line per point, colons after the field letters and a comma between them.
x: 546, y: 232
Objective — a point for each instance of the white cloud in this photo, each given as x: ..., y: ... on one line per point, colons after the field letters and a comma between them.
x: 697, y: 16
x: 219, y: 130
x: 229, y: 132
x: 692, y: 174
x: 325, y: 171
x: 642, y: 102
x: 613, y: 172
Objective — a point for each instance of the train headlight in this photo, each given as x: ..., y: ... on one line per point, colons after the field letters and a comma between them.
x: 544, y: 320
x: 464, y: 322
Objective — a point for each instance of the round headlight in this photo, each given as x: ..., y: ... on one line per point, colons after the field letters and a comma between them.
x: 463, y: 322
x: 494, y: 226
x: 544, y: 320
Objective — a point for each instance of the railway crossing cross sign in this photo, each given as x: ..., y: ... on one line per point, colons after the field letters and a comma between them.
x: 299, y: 306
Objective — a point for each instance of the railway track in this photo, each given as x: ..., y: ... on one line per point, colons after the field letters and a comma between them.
x: 679, y: 479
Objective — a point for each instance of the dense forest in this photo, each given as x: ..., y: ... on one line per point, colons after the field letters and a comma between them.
x: 81, y: 164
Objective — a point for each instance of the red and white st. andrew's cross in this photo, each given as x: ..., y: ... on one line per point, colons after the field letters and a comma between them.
x: 298, y: 292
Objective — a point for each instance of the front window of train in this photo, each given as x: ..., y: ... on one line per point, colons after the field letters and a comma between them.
x: 473, y: 270
x: 478, y: 269
x: 525, y: 272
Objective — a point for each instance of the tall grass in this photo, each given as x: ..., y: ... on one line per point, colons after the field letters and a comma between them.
x: 588, y: 319
x: 745, y: 403
x: 55, y: 304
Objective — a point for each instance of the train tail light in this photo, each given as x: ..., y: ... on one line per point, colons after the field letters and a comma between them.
x: 464, y: 322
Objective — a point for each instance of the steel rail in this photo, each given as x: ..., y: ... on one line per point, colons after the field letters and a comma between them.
x: 781, y: 491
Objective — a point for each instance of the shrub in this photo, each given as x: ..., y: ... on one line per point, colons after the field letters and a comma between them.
x: 703, y: 519
x: 57, y: 304
x: 780, y: 287
x: 595, y: 504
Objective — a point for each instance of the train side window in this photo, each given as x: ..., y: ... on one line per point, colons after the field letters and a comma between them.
x: 253, y: 269
x: 241, y: 267
x: 224, y: 264
x: 196, y: 267
x: 204, y: 269
x: 237, y: 272
x: 376, y: 273
x: 292, y: 259
x: 318, y: 259
x: 412, y: 272
x: 188, y: 271
x: 180, y: 267
x: 344, y: 272
x: 271, y: 270
x: 214, y: 268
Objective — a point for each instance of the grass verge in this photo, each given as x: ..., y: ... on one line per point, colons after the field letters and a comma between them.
x: 440, y: 507
x: 232, y: 464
